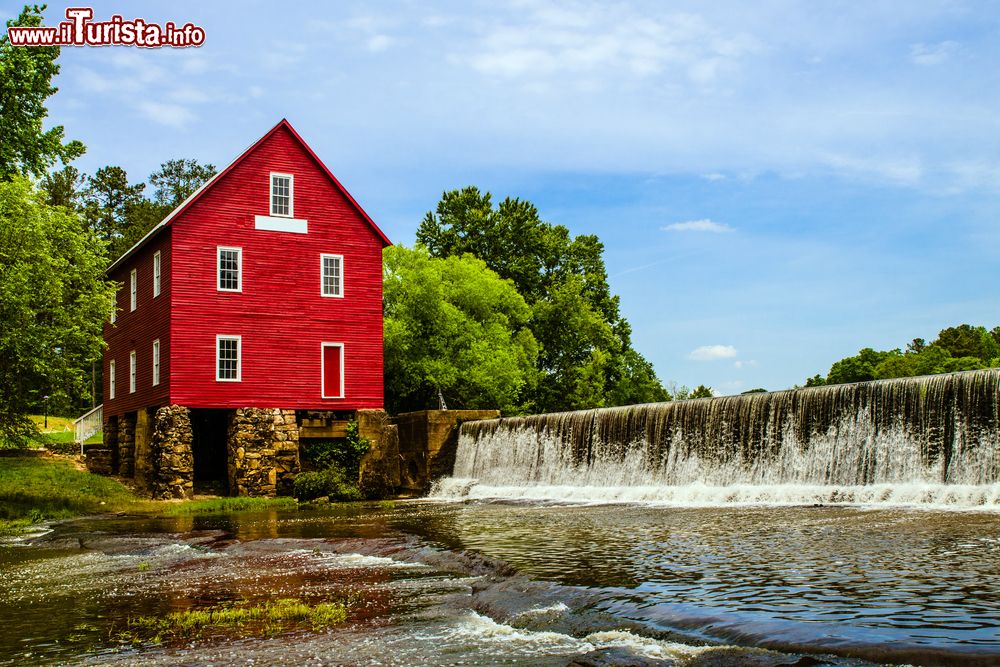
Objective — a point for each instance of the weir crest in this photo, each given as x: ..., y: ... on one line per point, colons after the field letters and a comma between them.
x: 929, y: 440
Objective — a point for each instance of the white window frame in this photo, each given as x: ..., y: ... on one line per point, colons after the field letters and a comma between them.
x: 322, y: 275
x: 156, y: 362
x: 291, y: 195
x: 239, y: 357
x: 218, y: 268
x: 131, y: 372
x: 157, y: 263
x: 322, y: 369
x: 114, y: 305
x: 112, y: 384
x: 134, y: 283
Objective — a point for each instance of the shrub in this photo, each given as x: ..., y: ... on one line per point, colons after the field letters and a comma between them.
x: 330, y: 482
x: 344, y: 454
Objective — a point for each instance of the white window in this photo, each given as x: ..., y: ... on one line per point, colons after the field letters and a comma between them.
x: 131, y: 372
x: 114, y: 307
x: 230, y: 275
x: 282, y: 195
x: 228, y: 365
x: 112, y: 383
x: 134, y: 281
x: 156, y: 362
x: 156, y: 274
x: 332, y: 275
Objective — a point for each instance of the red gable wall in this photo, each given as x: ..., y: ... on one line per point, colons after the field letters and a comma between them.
x: 280, y: 315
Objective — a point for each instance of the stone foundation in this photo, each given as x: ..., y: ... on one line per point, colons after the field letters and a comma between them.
x: 263, y: 449
x: 380, y: 471
x: 286, y: 450
x: 126, y: 445
x: 110, y: 430
x: 421, y: 449
x: 98, y: 459
x: 171, y: 474
x: 144, y: 463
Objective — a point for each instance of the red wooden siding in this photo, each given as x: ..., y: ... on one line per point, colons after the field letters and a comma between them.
x: 137, y: 330
x: 280, y: 314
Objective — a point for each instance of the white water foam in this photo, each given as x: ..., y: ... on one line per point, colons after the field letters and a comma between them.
x: 354, y: 560
x: 915, y: 494
x: 483, y: 630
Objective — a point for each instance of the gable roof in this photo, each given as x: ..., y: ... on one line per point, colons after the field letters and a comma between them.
x: 196, y: 195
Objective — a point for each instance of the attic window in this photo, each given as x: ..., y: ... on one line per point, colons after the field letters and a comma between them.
x: 281, y: 195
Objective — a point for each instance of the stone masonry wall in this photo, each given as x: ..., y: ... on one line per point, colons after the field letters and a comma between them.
x: 263, y: 451
x: 379, y: 476
x: 172, y: 461
x: 286, y: 450
x: 126, y: 445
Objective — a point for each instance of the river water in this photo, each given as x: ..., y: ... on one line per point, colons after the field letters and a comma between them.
x: 524, y: 583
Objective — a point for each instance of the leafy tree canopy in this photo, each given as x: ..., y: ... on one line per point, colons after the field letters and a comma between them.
x: 960, y: 348
x: 25, y: 83
x: 53, y: 302
x: 176, y: 180
x: 585, y: 358
x: 455, y: 327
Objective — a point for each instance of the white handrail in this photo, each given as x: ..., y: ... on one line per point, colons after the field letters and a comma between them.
x: 89, y: 424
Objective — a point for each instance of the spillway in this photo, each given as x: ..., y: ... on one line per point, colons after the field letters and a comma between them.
x: 929, y: 440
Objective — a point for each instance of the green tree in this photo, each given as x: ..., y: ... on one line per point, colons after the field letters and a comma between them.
x: 453, y: 327
x: 858, y: 368
x: 107, y: 201
x: 701, y: 392
x: 176, y: 180
x: 968, y: 341
x: 64, y: 187
x: 816, y: 381
x: 53, y: 301
x: 25, y: 83
x: 586, y: 357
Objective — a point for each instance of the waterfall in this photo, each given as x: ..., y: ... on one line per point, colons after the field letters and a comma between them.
x: 930, y: 440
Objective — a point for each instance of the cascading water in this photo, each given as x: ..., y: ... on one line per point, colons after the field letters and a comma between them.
x: 931, y: 440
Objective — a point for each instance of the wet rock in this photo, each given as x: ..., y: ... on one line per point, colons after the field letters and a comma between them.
x: 616, y: 657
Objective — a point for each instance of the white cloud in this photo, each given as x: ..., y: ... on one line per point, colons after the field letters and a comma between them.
x: 712, y: 353
x: 588, y: 39
x: 704, y: 225
x: 173, y: 115
x: 932, y: 54
x: 739, y: 363
x: 378, y: 43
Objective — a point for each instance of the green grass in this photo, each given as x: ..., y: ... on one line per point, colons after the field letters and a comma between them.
x: 55, y: 423
x: 245, y: 619
x: 239, y: 504
x: 38, y: 488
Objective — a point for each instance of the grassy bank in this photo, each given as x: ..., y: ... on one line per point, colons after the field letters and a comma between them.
x: 38, y: 488
x: 44, y: 487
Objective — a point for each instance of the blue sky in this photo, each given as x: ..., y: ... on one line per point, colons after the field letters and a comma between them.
x: 777, y: 184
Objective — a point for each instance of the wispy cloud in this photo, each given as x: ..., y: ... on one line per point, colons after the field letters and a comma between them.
x: 591, y: 39
x: 933, y: 54
x: 712, y: 353
x: 704, y: 225
x: 173, y: 115
x: 740, y: 363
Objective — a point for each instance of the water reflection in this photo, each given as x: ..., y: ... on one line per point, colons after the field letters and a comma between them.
x: 893, y: 585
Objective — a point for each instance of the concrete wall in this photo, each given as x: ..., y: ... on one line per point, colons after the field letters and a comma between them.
x: 424, y: 449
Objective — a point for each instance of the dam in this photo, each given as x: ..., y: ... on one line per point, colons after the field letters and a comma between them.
x: 928, y: 440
